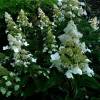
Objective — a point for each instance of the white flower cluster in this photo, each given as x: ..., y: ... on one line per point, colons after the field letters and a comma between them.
x: 22, y: 58
x: 9, y: 84
x: 7, y: 17
x: 71, y: 8
x: 5, y: 47
x: 49, y: 38
x: 94, y: 23
x: 16, y: 42
x: 70, y: 45
x: 84, y: 48
x: 59, y: 2
x: 55, y: 56
x: 58, y: 15
x: 76, y: 70
x: 72, y: 34
x: 23, y: 20
x: 44, y: 20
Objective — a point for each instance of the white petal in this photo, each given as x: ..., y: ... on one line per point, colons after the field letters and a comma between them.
x: 87, y: 70
x: 5, y: 47
x: 69, y: 74
x: 34, y: 60
x: 76, y: 70
x: 82, y: 3
x: 15, y: 49
x: 55, y: 56
x: 88, y: 50
x: 87, y: 60
x: 78, y: 34
x: 45, y: 49
x: 7, y: 16
x: 63, y: 37
x: 26, y: 44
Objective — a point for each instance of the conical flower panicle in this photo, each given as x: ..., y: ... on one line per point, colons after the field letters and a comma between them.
x: 71, y: 33
x: 13, y: 33
x: 22, y: 19
x: 22, y: 59
x: 8, y: 17
x: 50, y: 42
x: 72, y: 51
x: 57, y: 15
x: 72, y: 8
x: 15, y: 36
x: 46, y: 26
x: 71, y: 29
x: 16, y: 42
x: 12, y: 28
x: 44, y: 20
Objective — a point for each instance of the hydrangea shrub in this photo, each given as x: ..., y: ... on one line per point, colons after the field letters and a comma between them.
x: 63, y: 51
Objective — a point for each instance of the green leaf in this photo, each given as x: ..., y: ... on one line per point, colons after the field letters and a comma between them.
x: 50, y: 1
x: 2, y: 56
x: 86, y: 81
x: 3, y: 71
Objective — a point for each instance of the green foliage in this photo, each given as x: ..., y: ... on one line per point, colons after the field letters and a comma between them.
x: 3, y: 71
x: 2, y: 56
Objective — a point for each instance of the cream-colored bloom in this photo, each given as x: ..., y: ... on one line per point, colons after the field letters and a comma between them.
x: 55, y: 56
x: 87, y: 60
x: 87, y: 70
x: 69, y: 74
x: 34, y: 60
x: 64, y: 38
x: 25, y: 43
x: 76, y: 70
x: 16, y: 49
x: 71, y: 29
x: 7, y: 16
x: 84, y: 48
x: 94, y: 23
x: 82, y: 3
x: 5, y: 47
